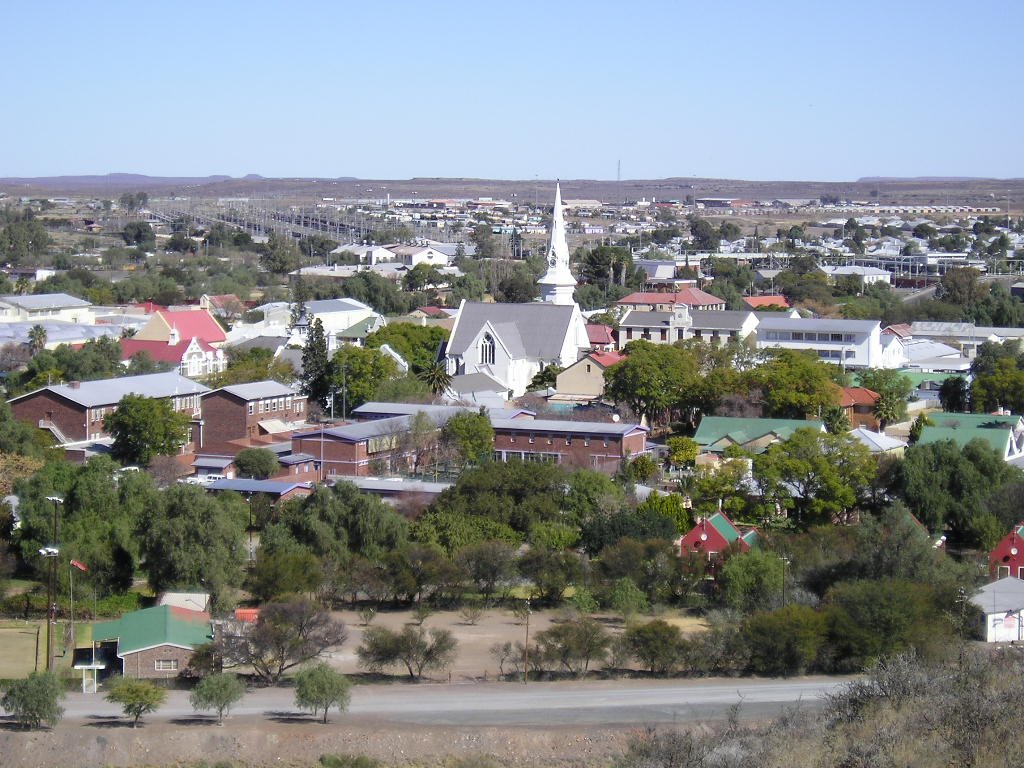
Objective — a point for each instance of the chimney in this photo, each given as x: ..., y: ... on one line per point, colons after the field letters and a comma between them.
x: 75, y: 384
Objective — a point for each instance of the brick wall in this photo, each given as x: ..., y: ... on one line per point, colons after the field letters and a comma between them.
x: 227, y: 417
x: 143, y: 664
x: 43, y: 405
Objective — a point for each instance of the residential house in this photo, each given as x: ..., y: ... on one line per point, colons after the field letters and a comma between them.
x: 1007, y: 557
x: 878, y: 443
x: 37, y: 307
x: 713, y: 536
x: 694, y: 298
x: 154, y: 643
x: 754, y: 435
x: 337, y: 317
x: 225, y: 305
x: 74, y: 412
x: 715, y: 326
x: 602, y: 337
x: 847, y: 343
x: 869, y: 275
x: 583, y: 381
x: 858, y: 403
x: 766, y: 303
x: 1004, y: 433
x: 249, y: 410
x: 414, y: 255
x: 1001, y: 604
x: 171, y: 326
x: 190, y: 357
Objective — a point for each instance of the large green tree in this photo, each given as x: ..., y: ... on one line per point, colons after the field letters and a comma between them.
x: 357, y: 373
x: 144, y: 427
x: 316, y: 365
x: 795, y: 384
x: 418, y: 344
x: 893, y: 389
x: 470, y: 436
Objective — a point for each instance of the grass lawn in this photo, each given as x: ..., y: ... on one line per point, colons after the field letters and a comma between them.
x: 18, y: 646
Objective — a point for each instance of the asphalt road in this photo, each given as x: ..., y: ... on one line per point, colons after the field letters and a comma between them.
x: 606, y: 702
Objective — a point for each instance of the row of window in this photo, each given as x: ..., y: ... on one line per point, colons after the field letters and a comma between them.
x: 835, y: 354
x: 275, y: 404
x: 166, y: 665
x: 568, y: 439
x: 838, y: 338
x: 537, y: 457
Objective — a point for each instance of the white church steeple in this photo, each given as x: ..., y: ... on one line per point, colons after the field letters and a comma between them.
x: 557, y: 285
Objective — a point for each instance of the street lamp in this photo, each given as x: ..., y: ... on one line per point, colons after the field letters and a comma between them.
x: 51, y: 553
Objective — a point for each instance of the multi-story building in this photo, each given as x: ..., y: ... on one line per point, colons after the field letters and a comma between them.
x: 45, y: 306
x: 75, y: 412
x: 848, y: 343
x: 250, y: 410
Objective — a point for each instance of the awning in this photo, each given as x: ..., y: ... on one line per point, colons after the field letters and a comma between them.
x: 273, y: 426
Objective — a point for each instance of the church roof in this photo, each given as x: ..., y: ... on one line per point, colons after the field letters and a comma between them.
x: 535, y: 330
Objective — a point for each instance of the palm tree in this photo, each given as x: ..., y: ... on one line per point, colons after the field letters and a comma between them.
x: 436, y: 377
x: 37, y: 339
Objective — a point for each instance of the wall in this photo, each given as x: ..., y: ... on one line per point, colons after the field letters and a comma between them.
x: 142, y: 664
x: 68, y: 417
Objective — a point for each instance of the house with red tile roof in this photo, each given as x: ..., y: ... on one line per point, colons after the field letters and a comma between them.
x: 858, y: 403
x: 222, y: 305
x: 583, y: 381
x: 664, y: 301
x: 166, y: 325
x: 191, y: 357
x: 766, y: 302
x: 602, y: 337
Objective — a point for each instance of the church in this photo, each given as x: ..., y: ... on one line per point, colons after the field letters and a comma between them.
x: 510, y: 343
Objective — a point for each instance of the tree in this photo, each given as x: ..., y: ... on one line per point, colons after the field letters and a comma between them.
x: 218, y: 692
x: 257, y: 463
x: 705, y: 236
x: 316, y: 365
x: 573, y: 645
x: 319, y: 688
x: 413, y: 647
x: 961, y: 286
x: 626, y: 599
x: 359, y: 372
x: 682, y: 451
x: 893, y: 389
x: 436, y: 377
x: 752, y: 580
x: 37, y: 339
x: 133, y: 201
x: 418, y: 344
x: 488, y: 564
x: 786, y: 641
x: 651, y: 379
x: 35, y: 700
x: 821, y: 476
x: 471, y: 436
x: 144, y: 427
x: 136, y: 697
x: 286, y: 635
x: 279, y: 255
x: 284, y: 572
x: 487, y: 246
x: 795, y: 385
x: 139, y: 234
x: 190, y: 539
x: 657, y: 645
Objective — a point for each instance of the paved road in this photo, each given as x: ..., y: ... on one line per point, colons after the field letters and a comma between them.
x: 537, y: 704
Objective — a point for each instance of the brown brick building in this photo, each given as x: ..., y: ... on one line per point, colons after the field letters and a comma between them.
x: 75, y: 412
x: 155, y: 642
x: 249, y: 410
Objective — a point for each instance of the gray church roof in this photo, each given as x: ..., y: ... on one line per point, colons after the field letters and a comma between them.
x: 534, y: 330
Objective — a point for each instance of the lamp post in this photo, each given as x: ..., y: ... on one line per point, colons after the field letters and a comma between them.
x: 526, y: 645
x: 785, y: 564
x: 51, y: 553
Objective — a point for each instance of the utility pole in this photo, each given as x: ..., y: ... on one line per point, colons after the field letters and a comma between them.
x: 51, y: 553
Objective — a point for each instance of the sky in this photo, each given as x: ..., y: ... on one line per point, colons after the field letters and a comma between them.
x: 397, y: 89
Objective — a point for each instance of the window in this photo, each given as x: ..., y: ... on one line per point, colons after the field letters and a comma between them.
x: 166, y: 665
x: 836, y: 337
x: 1003, y: 570
x: 798, y: 335
x: 487, y: 349
x: 252, y: 408
x: 588, y: 367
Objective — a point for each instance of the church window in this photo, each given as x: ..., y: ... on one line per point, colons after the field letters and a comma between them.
x: 487, y: 349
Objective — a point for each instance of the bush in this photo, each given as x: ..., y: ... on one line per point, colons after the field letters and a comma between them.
x: 658, y: 645
x: 413, y: 647
x: 35, y: 700
x: 752, y: 580
x: 785, y: 642
x: 136, y: 697
x: 219, y: 693
x: 574, y: 645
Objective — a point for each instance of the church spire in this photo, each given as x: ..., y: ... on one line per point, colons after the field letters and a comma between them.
x: 557, y: 284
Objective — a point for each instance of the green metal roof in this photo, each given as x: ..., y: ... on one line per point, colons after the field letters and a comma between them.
x: 997, y: 438
x: 359, y: 330
x: 973, y: 420
x: 917, y: 378
x: 744, y: 430
x: 722, y: 524
x: 150, y: 627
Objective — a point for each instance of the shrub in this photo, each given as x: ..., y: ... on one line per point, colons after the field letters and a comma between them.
x: 219, y: 693
x: 35, y: 700
x: 319, y: 688
x: 657, y: 645
x: 136, y: 697
x: 785, y: 642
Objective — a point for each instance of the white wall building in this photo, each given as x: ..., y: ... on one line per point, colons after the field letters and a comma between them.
x: 45, y: 306
x: 848, y: 343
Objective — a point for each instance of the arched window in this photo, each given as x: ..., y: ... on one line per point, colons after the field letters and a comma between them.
x: 487, y: 349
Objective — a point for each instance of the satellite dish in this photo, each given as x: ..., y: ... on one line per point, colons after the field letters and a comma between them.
x: 615, y: 418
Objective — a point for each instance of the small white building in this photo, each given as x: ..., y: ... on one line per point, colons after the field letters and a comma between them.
x: 868, y: 275
x: 337, y: 317
x: 45, y: 306
x: 1001, y: 604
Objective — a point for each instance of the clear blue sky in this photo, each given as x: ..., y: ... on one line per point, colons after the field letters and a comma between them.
x: 404, y: 88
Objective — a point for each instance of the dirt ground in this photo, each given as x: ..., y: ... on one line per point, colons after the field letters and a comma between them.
x: 262, y: 742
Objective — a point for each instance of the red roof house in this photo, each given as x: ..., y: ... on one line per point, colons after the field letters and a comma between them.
x: 601, y: 336
x: 664, y: 301
x: 191, y: 357
x: 1007, y: 558
x: 858, y: 403
x: 766, y: 302
x: 164, y: 325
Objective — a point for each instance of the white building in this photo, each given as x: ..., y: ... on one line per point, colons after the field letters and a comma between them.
x: 868, y: 275
x: 45, y: 306
x: 848, y: 343
x: 337, y: 316
x: 1002, y: 604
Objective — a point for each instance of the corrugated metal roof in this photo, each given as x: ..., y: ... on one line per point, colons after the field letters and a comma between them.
x: 38, y: 301
x: 150, y: 627
x: 110, y: 391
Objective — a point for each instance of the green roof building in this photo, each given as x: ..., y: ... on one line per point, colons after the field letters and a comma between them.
x: 716, y: 433
x: 155, y: 642
x: 1004, y: 433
